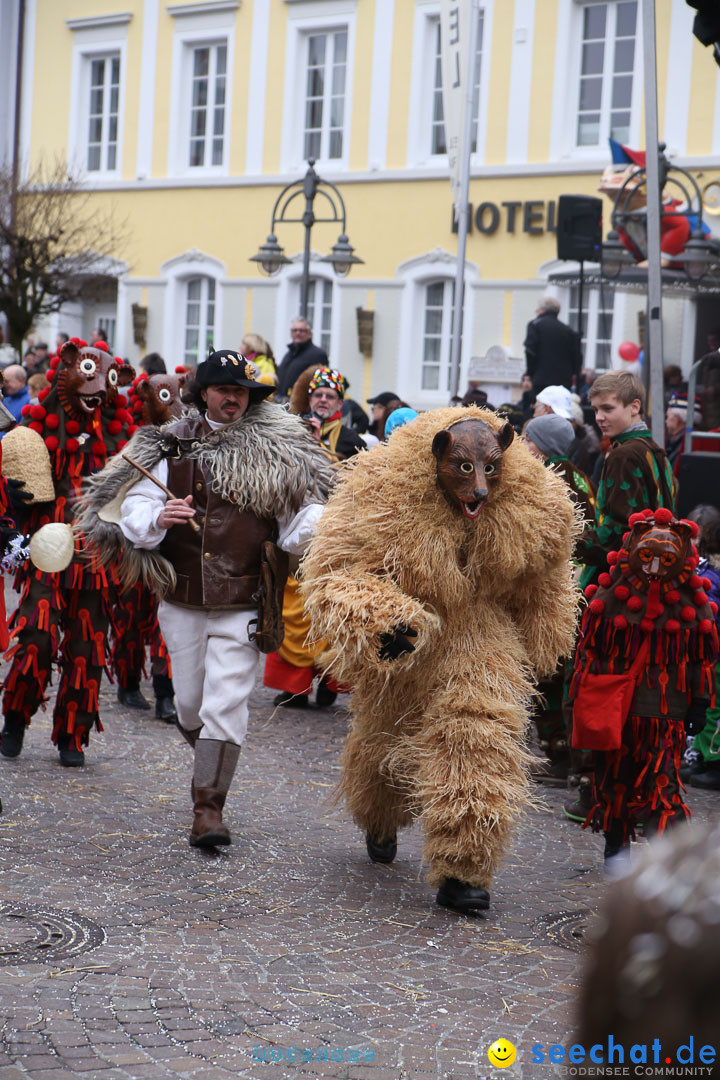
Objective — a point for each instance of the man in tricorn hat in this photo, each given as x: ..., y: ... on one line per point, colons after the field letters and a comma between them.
x: 243, y: 473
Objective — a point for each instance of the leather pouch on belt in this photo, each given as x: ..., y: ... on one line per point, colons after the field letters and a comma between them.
x: 268, y: 630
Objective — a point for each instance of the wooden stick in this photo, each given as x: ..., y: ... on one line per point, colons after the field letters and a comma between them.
x: 141, y: 468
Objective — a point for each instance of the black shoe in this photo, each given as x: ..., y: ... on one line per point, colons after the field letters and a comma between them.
x: 11, y: 737
x: 291, y: 701
x: 458, y: 896
x: 133, y: 699
x: 165, y: 710
x: 709, y: 778
x: 382, y: 853
x: 579, y: 808
x: 324, y: 698
x: 69, y: 756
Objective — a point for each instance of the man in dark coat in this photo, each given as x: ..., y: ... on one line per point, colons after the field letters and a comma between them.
x: 302, y: 353
x: 552, y: 349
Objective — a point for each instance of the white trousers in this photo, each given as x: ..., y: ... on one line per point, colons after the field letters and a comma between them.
x: 213, y: 669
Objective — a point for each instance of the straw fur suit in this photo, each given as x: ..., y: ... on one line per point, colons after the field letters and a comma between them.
x: 439, y: 733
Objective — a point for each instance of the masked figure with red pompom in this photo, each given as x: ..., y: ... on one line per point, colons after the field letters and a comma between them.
x: 644, y: 676
x: 154, y: 399
x: 63, y: 617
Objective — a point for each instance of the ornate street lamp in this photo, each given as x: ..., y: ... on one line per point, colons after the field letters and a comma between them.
x: 271, y: 257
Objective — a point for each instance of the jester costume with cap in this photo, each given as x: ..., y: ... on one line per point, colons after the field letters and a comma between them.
x: 644, y: 664
x: 63, y: 617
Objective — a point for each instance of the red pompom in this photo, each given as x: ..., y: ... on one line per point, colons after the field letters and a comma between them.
x: 604, y: 580
x: 597, y: 606
x: 663, y: 516
x: 713, y: 607
x: 693, y: 527
x: 590, y: 591
x: 114, y: 427
x: 50, y: 375
x: 705, y: 626
x: 653, y: 610
x: 72, y: 427
x: 52, y: 421
x: 51, y: 442
x: 37, y: 412
x: 626, y: 537
x: 36, y: 427
x: 43, y: 393
x: 646, y: 625
x: 672, y: 596
x: 635, y: 519
x: 122, y: 444
x: 137, y: 406
x: 101, y: 345
x: 706, y: 583
x: 55, y: 362
x: 647, y: 513
x: 71, y: 446
x: 672, y: 626
x: 612, y: 557
x: 695, y: 582
x: 99, y: 448
x: 180, y: 370
x: 622, y: 592
x: 25, y: 411
x: 123, y: 416
x: 700, y: 598
x: 620, y: 622
x: 634, y: 603
x: 688, y: 614
x: 132, y: 429
x: 121, y: 401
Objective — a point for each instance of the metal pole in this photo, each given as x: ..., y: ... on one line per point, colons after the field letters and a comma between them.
x: 580, y: 301
x: 463, y: 212
x: 310, y: 184
x: 654, y: 340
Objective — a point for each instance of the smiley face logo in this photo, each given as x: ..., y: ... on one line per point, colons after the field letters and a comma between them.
x: 501, y: 1054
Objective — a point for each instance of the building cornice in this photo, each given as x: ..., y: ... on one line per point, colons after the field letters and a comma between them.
x: 93, y: 22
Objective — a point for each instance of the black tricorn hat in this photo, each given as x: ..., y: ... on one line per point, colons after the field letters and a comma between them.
x: 228, y: 368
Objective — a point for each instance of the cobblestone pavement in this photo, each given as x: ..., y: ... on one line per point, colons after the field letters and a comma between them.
x: 126, y: 953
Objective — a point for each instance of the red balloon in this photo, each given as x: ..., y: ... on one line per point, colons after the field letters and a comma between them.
x: 629, y: 351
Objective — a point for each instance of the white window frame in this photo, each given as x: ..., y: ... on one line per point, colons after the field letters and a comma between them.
x: 314, y: 18
x: 416, y: 275
x: 288, y: 302
x: 94, y: 42
x: 193, y: 30
x: 566, y: 93
x: 176, y: 273
x: 422, y: 82
x: 591, y: 312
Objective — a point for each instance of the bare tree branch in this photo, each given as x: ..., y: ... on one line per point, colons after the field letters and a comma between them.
x: 59, y: 237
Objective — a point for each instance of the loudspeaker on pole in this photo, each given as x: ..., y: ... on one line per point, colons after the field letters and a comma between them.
x: 579, y: 228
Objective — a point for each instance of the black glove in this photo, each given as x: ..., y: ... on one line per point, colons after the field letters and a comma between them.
x: 8, y: 532
x: 696, y: 716
x: 397, y: 643
x: 17, y: 496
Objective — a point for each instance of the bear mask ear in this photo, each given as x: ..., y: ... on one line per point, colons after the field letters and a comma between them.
x: 441, y: 442
x: 69, y: 354
x: 142, y: 389
x: 505, y: 435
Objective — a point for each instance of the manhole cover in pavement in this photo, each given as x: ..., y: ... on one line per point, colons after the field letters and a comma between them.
x: 564, y: 928
x: 31, y: 934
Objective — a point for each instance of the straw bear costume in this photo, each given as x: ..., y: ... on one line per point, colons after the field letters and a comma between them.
x: 486, y: 587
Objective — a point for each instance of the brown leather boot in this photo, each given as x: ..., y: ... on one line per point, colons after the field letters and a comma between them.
x: 215, y: 763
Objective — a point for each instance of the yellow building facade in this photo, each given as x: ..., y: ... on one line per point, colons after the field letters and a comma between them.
x: 188, y: 118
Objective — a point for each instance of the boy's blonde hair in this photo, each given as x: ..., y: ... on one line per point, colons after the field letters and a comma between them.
x: 626, y: 387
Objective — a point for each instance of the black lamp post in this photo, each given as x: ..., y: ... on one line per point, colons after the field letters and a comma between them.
x: 271, y: 257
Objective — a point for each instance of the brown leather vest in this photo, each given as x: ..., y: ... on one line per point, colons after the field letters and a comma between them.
x: 219, y: 566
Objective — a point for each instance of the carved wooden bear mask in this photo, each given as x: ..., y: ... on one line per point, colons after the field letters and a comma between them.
x: 469, y: 462
x: 91, y: 377
x: 659, y: 551
x: 160, y: 395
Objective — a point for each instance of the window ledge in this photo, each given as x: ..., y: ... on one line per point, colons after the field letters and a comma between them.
x: 93, y: 21
x: 210, y: 7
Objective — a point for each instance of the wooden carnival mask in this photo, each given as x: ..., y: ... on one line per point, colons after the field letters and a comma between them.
x: 469, y: 461
x: 91, y: 377
x: 160, y: 396
x: 659, y: 552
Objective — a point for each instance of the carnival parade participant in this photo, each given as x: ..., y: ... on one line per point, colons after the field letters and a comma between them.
x: 440, y: 576
x: 250, y: 479
x: 64, y: 616
x: 317, y: 396
x: 644, y: 672
x: 154, y: 399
